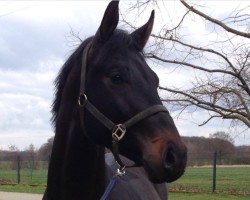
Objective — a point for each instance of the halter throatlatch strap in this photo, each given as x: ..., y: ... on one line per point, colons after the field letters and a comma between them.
x: 118, y: 130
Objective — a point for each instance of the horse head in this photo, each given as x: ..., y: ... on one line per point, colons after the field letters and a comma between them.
x: 120, y: 84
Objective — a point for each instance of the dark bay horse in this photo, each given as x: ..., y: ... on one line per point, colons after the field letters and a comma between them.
x: 107, y: 97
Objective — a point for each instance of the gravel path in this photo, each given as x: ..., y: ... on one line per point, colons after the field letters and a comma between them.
x: 19, y: 196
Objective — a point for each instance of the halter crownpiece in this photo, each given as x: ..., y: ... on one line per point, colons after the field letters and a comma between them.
x: 118, y: 130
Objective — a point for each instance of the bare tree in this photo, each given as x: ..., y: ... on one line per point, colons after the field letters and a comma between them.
x: 13, y: 148
x: 30, y: 150
x: 222, y: 143
x: 222, y: 136
x: 220, y: 63
x: 46, y: 148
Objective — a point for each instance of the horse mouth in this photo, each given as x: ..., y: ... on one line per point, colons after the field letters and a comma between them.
x: 168, y: 167
x: 157, y: 174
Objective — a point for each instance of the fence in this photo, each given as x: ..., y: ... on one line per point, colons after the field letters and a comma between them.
x: 200, y: 176
x: 207, y: 158
x: 23, y: 170
x: 214, y: 172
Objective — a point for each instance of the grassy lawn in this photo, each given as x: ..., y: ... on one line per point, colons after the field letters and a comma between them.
x: 26, y: 176
x: 23, y: 188
x: 31, y: 181
x: 232, y: 180
x: 206, y: 196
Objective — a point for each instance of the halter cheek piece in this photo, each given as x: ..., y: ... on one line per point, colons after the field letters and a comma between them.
x: 118, y: 130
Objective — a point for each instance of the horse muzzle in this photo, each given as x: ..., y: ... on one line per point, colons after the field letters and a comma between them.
x: 164, y: 161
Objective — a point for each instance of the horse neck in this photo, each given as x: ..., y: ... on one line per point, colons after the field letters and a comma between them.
x: 77, y: 168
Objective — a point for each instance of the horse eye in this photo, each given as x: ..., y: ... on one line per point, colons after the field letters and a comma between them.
x: 116, y: 78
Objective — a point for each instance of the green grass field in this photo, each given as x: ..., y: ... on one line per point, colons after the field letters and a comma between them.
x: 27, y: 176
x: 30, y: 181
x: 233, y: 183
x: 205, y: 196
x: 38, y: 189
x: 230, y: 180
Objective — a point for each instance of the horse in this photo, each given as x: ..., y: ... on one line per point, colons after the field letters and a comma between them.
x: 106, y: 98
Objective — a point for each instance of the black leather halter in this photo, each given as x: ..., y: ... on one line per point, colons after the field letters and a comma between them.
x: 118, y: 130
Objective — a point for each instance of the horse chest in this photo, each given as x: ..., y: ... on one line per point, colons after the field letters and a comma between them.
x: 134, y: 185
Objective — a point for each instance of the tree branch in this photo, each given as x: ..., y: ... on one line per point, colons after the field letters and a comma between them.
x: 225, y: 113
x: 224, y: 26
x: 199, y: 49
x: 150, y: 55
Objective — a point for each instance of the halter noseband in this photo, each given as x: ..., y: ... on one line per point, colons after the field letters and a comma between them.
x: 118, y: 130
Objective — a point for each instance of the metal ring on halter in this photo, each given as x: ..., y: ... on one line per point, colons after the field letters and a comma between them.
x: 121, y: 170
x: 82, y: 100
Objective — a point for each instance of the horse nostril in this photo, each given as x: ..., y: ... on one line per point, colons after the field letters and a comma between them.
x: 170, y: 158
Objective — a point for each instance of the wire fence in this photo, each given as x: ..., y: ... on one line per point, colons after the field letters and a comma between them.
x: 205, y: 173
x: 215, y: 172
x: 23, y: 170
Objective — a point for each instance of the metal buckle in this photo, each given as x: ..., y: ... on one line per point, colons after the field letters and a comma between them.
x: 82, y: 100
x: 118, y: 132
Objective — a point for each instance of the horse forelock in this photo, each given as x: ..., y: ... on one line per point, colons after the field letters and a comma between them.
x: 121, y: 38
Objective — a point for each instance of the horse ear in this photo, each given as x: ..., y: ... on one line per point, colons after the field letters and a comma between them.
x: 108, y: 24
x: 142, y: 34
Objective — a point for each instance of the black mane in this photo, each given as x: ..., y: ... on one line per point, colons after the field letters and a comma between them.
x: 62, y: 78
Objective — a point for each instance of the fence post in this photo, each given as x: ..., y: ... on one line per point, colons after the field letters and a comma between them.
x: 214, y: 171
x: 18, y: 169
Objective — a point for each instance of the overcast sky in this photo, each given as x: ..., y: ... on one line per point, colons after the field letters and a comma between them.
x: 35, y: 42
